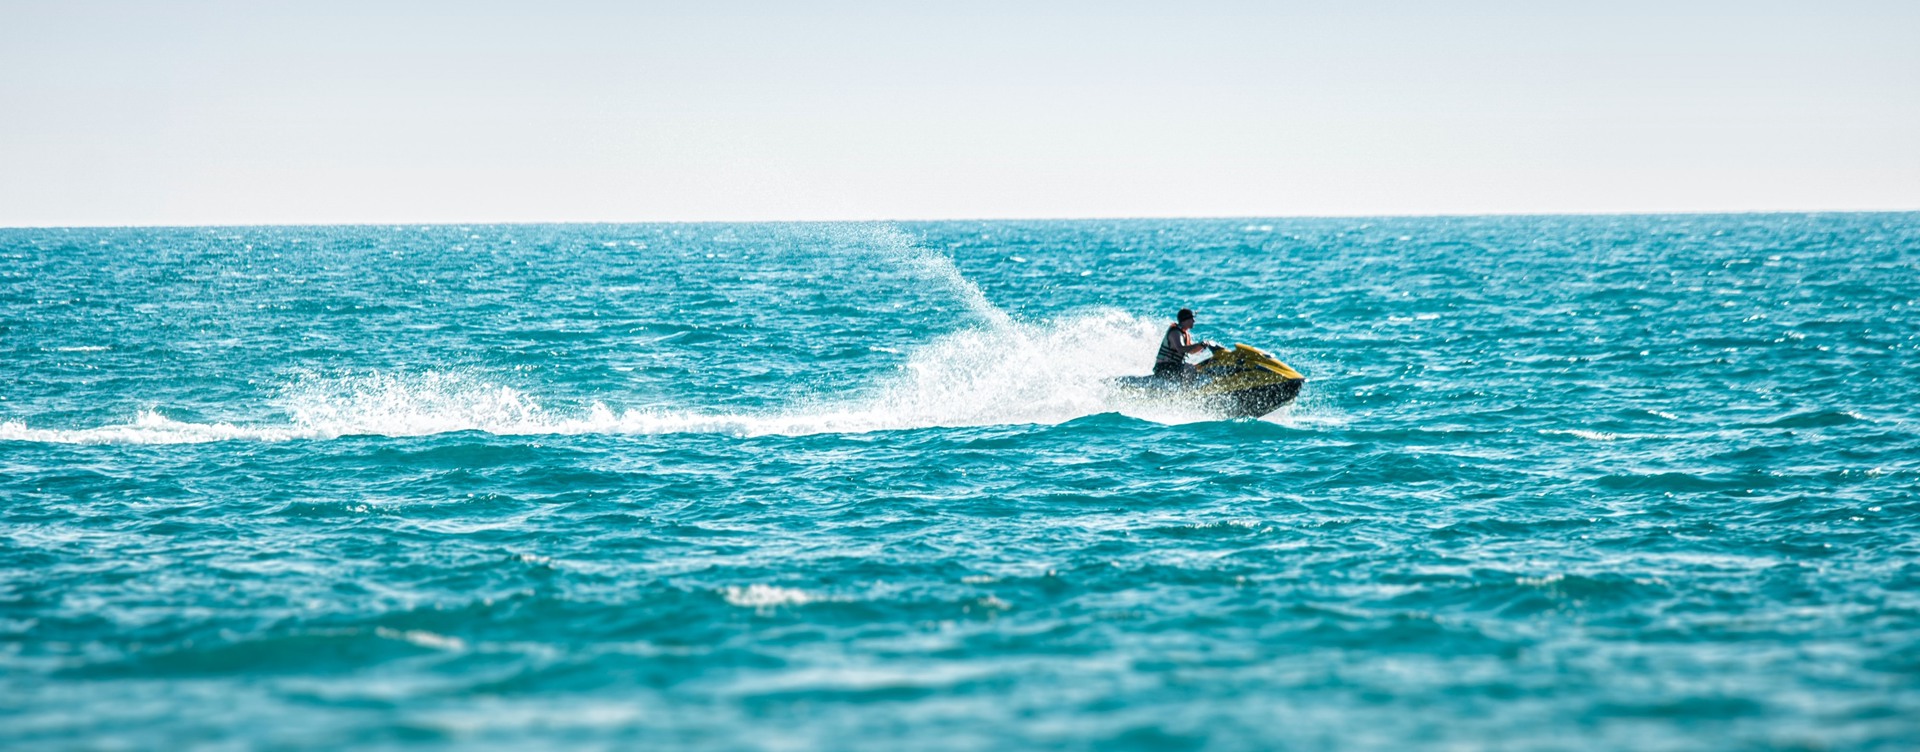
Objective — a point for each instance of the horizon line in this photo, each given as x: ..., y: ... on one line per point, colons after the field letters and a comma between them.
x: 1137, y: 218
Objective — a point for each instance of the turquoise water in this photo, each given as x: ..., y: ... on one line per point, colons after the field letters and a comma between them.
x: 1555, y: 482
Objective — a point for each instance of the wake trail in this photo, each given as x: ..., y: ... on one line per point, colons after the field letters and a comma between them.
x: 1010, y: 373
x: 996, y: 371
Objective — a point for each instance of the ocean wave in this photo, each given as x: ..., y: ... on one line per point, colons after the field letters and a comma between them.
x: 1816, y: 419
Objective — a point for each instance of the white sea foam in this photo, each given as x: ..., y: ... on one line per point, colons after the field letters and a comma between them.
x: 1590, y: 435
x: 1308, y: 413
x: 420, y: 404
x: 148, y: 427
x: 767, y: 596
x: 424, y: 639
x: 1582, y: 433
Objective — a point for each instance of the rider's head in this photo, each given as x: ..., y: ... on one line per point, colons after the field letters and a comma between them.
x: 1186, y: 318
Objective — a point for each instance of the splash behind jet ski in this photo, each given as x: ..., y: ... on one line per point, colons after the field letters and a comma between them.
x: 1244, y: 382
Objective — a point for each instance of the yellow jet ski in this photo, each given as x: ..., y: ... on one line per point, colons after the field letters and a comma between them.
x: 1244, y: 382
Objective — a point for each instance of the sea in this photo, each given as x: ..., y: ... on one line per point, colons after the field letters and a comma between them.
x: 1554, y: 482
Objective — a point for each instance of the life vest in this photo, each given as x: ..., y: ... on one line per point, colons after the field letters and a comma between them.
x: 1173, y: 347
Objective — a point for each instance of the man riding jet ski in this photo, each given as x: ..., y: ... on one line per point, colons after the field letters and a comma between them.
x: 1171, y: 361
x: 1244, y: 382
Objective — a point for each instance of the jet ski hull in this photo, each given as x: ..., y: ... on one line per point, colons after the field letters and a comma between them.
x: 1260, y: 400
x: 1244, y: 382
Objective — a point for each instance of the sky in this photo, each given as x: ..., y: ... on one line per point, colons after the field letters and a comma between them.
x: 264, y: 112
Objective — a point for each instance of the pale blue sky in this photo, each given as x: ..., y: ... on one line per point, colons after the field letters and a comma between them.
x: 324, y: 112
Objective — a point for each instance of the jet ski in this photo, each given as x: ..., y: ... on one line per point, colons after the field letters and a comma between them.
x: 1244, y: 382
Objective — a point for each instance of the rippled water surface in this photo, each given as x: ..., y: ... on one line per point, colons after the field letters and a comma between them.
x: 1555, y: 482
